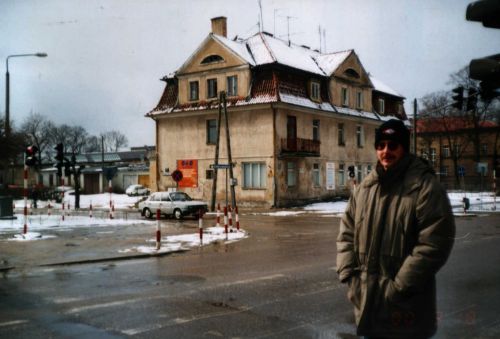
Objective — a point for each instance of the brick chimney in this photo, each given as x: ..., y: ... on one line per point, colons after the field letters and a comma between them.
x: 219, y: 26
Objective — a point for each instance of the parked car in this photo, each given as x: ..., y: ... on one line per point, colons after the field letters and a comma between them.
x: 136, y: 190
x: 176, y: 204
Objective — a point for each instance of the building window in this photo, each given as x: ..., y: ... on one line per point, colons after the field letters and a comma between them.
x: 211, y: 131
x: 316, y: 175
x: 291, y: 174
x: 209, y: 174
x: 359, y: 100
x: 484, y: 149
x: 360, y: 136
x: 432, y: 156
x: 341, y: 175
x: 444, y: 171
x: 315, y: 90
x: 316, y: 130
x: 211, y: 59
x: 345, y: 96
x: 232, y: 86
x: 400, y: 109
x: 254, y: 175
x: 381, y: 106
x: 446, y: 151
x: 211, y: 88
x: 194, y: 87
x: 359, y: 172
x: 456, y: 150
x: 368, y: 169
x: 341, y: 135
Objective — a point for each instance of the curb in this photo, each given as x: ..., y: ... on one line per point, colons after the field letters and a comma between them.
x: 98, y: 260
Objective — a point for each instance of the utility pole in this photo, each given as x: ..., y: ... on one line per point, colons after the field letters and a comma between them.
x: 415, y: 126
x: 230, y: 158
x: 216, y: 160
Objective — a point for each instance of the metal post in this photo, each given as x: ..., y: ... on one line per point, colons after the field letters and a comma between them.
x: 158, y: 229
x: 415, y: 126
x: 216, y: 160
x: 25, y: 229
x: 230, y: 158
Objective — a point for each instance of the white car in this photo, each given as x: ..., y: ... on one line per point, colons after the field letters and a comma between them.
x: 136, y: 190
x: 176, y: 204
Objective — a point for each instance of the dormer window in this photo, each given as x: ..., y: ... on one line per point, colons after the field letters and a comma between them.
x: 212, y: 59
x: 345, y: 96
x: 381, y: 106
x: 315, y: 91
x: 351, y: 73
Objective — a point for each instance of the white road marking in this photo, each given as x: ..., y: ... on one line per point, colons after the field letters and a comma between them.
x: 13, y: 322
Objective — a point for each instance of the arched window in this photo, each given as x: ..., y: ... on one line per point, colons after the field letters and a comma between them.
x: 351, y: 73
x: 212, y: 58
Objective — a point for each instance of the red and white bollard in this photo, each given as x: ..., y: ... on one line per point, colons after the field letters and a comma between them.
x: 90, y: 210
x: 230, y: 211
x: 225, y: 221
x: 200, y: 226
x: 25, y: 228
x: 49, y: 207
x: 158, y: 230
x: 237, y: 218
x: 218, y: 216
x: 112, y: 211
x: 62, y: 199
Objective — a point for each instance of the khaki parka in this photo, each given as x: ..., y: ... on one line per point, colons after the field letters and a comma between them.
x: 397, y: 231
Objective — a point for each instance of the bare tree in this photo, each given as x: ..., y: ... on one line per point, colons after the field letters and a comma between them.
x: 37, y: 129
x: 93, y: 144
x: 77, y: 137
x: 114, y: 140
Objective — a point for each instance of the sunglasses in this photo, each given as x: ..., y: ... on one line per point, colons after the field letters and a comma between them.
x: 391, y: 145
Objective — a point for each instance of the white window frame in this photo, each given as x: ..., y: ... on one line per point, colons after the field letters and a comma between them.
x: 360, y: 136
x: 254, y: 175
x: 342, y: 175
x: 341, y: 134
x: 315, y: 90
x: 211, y: 88
x: 194, y: 91
x: 316, y: 175
x: 345, y: 96
x: 381, y: 106
x: 316, y: 128
x: 232, y: 85
x: 291, y: 174
x: 359, y: 100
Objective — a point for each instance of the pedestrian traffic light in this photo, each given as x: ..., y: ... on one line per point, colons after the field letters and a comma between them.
x: 60, y: 152
x: 31, y: 158
x: 67, y: 169
x: 458, y: 98
x: 472, y: 99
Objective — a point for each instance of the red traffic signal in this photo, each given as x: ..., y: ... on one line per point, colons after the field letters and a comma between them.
x: 31, y: 158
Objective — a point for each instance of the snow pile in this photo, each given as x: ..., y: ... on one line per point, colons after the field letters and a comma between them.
x: 30, y: 236
x: 187, y: 241
x: 97, y: 200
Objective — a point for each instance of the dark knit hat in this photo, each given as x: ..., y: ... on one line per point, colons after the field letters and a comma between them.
x: 394, y: 130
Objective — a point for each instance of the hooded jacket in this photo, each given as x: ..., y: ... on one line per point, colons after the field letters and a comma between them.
x: 396, y: 233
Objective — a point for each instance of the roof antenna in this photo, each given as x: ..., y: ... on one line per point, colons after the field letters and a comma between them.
x: 261, y: 25
x: 320, y: 43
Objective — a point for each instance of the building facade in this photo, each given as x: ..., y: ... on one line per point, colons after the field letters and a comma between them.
x: 448, y: 144
x: 298, y: 119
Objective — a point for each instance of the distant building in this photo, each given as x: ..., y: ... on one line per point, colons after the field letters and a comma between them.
x: 447, y: 143
x: 298, y: 120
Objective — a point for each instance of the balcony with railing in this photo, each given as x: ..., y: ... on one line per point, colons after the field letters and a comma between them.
x: 300, y: 147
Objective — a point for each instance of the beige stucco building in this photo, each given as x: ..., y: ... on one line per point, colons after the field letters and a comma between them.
x: 298, y: 119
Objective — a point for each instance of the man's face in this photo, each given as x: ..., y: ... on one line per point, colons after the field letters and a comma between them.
x: 389, y: 153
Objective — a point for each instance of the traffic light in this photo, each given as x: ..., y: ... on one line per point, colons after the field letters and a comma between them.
x: 472, y: 99
x: 60, y: 158
x: 31, y: 158
x: 67, y: 169
x: 350, y: 169
x: 485, y: 11
x: 458, y: 98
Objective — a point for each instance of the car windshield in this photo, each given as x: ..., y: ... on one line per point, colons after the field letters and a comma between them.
x: 180, y: 196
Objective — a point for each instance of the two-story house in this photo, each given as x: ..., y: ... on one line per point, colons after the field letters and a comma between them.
x: 298, y: 119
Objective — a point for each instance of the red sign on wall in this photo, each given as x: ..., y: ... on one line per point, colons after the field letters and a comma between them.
x: 189, y: 169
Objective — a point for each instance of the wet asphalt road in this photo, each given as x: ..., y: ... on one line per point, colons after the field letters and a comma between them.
x: 278, y: 283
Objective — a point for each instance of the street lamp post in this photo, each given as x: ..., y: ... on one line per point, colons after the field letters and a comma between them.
x: 7, y: 89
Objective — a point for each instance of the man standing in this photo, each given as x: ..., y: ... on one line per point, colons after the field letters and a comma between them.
x: 396, y: 233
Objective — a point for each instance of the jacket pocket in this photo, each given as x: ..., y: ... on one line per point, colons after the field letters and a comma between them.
x: 354, y: 291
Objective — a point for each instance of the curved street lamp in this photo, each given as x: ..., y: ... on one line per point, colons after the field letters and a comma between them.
x: 7, y: 89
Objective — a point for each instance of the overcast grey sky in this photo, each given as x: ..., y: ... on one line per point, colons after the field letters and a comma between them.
x: 106, y: 56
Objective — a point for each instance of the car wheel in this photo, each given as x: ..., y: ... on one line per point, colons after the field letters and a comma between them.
x: 147, y: 213
x: 177, y: 214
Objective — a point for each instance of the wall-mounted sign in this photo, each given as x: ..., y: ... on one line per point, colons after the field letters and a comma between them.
x: 189, y: 169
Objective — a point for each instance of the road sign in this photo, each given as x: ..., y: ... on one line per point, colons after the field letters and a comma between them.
x: 177, y: 175
x: 110, y: 172
x: 220, y: 166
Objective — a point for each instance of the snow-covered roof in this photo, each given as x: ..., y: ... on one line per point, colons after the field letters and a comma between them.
x: 237, y: 47
x: 330, y: 62
x: 381, y: 87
